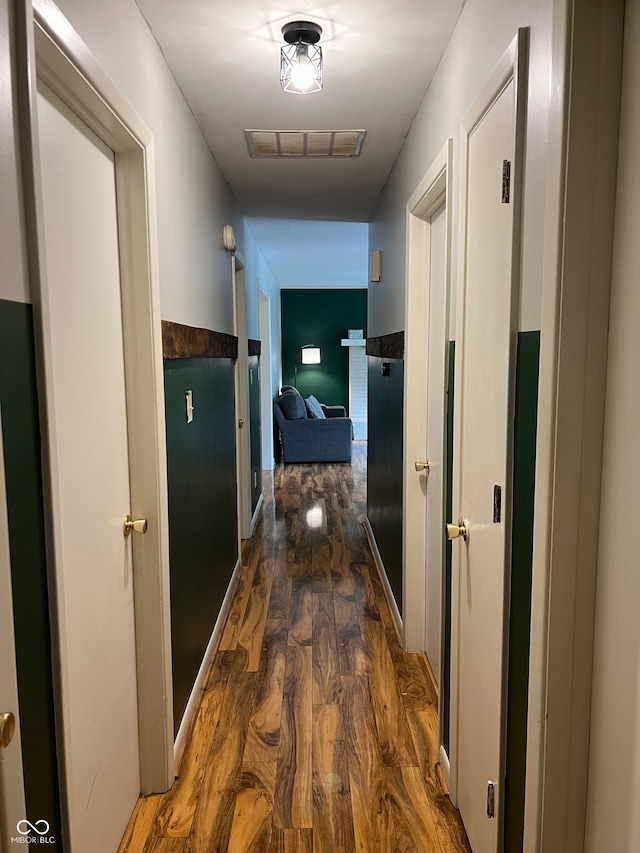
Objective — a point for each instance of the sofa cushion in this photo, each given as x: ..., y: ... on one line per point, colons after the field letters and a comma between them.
x: 292, y: 407
x: 314, y: 408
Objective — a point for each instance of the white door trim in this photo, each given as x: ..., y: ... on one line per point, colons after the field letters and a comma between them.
x: 57, y: 54
x: 266, y: 390
x: 579, y: 220
x: 432, y: 191
x: 511, y: 67
x: 243, y: 433
x: 12, y: 799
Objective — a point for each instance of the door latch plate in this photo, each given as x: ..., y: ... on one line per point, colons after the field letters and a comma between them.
x: 497, y: 504
x: 491, y: 799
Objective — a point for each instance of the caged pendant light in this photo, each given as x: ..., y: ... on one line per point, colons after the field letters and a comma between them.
x: 301, y: 58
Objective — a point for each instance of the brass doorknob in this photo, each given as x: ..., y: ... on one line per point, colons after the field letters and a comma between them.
x: 423, y: 466
x: 459, y: 529
x: 7, y: 728
x: 140, y: 525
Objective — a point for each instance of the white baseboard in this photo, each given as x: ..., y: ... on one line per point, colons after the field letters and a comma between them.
x: 383, y: 577
x: 256, y: 514
x: 189, y: 716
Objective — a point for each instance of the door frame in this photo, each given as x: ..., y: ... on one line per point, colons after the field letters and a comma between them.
x: 586, y: 74
x: 57, y: 54
x: 266, y: 389
x: 432, y: 192
x: 12, y: 795
x: 511, y: 67
x: 243, y: 433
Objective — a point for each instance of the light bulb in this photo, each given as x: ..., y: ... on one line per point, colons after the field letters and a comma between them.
x: 302, y: 75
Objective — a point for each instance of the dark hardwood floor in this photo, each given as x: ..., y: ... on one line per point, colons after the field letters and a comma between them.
x: 316, y: 732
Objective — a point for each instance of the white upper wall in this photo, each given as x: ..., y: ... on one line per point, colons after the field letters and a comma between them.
x: 13, y: 276
x: 613, y: 817
x: 194, y: 201
x: 259, y: 277
x: 483, y: 32
x: 305, y: 253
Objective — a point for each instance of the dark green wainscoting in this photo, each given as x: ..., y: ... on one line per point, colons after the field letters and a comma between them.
x: 321, y: 317
x: 202, y: 508
x: 526, y: 418
x: 254, y: 423
x: 384, y: 465
x: 21, y: 438
x: 445, y: 680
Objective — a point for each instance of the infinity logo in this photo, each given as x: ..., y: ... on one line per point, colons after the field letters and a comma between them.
x: 32, y: 827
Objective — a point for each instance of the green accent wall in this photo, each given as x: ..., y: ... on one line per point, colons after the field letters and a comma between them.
x: 525, y: 429
x: 384, y: 465
x: 23, y: 471
x: 203, y: 546
x: 323, y: 318
x: 254, y: 425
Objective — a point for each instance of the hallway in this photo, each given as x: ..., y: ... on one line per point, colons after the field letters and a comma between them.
x: 316, y: 731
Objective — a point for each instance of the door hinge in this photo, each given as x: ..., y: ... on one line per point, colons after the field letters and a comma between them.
x: 491, y: 799
x: 506, y: 181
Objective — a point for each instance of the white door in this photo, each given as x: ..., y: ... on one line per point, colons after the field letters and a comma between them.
x: 12, y: 804
x: 484, y: 422
x: 87, y: 427
x: 437, y: 342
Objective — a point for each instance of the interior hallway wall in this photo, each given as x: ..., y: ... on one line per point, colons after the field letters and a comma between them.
x: 323, y: 318
x: 193, y: 199
x: 259, y: 277
x: 483, y: 32
x: 613, y: 819
x: 203, y: 542
x: 384, y: 464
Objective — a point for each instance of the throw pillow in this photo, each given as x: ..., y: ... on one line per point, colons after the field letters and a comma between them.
x: 292, y: 407
x: 314, y: 408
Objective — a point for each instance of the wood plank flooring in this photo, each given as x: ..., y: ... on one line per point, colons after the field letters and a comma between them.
x: 316, y: 732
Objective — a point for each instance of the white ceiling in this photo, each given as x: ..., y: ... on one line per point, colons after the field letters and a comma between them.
x: 379, y: 57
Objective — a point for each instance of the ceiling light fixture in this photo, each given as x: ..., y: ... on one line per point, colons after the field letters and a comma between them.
x: 301, y: 59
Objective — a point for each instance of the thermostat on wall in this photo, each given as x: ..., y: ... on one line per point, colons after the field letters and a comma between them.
x: 375, y: 266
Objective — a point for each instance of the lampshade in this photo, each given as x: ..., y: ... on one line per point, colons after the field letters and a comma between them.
x: 301, y: 59
x: 310, y: 355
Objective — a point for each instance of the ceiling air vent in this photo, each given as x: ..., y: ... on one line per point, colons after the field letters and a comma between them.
x: 305, y: 143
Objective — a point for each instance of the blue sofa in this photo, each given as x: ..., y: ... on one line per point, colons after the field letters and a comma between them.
x: 303, y: 438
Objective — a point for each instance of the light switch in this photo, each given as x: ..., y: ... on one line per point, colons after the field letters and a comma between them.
x: 189, y: 397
